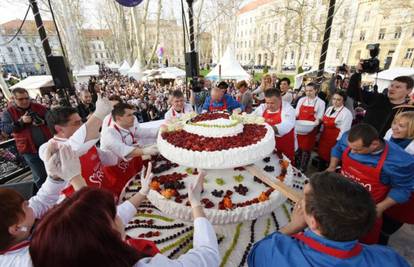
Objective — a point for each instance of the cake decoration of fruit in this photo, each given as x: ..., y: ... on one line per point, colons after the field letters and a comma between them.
x: 216, y: 140
x: 230, y: 196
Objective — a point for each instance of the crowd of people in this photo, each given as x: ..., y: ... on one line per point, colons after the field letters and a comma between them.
x: 340, y: 221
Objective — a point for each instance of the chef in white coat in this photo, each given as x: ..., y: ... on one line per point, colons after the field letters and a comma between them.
x: 178, y: 106
x: 122, y: 139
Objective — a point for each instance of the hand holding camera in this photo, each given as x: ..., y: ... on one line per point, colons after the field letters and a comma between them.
x: 26, y: 118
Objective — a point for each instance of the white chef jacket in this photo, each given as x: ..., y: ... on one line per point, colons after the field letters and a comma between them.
x: 288, y: 117
x: 343, y: 120
x: 80, y: 147
x: 205, y: 251
x: 288, y: 97
x: 121, y: 142
x: 409, y: 149
x: 170, y: 113
x: 45, y: 199
x: 317, y: 103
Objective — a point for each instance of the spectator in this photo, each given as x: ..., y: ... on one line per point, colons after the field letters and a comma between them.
x: 287, y: 95
x: 244, y: 96
x: 380, y: 108
x: 26, y: 122
x: 86, y: 107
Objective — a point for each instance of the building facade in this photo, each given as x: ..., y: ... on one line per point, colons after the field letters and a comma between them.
x: 24, y: 55
x: 96, y: 42
x: 286, y: 35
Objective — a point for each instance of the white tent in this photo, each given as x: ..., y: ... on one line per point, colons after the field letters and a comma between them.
x: 83, y: 75
x: 171, y: 73
x: 113, y: 66
x: 33, y: 84
x: 299, y: 77
x: 386, y: 76
x: 124, y: 68
x: 228, y: 68
x: 135, y: 71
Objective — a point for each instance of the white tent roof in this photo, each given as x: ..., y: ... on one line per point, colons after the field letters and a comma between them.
x: 124, y: 68
x: 33, y: 84
x: 113, y: 66
x: 299, y: 77
x: 230, y: 68
x: 386, y: 76
x: 90, y: 70
x: 171, y: 73
x: 135, y: 71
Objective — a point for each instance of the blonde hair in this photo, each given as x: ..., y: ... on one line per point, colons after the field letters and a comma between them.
x: 409, y: 116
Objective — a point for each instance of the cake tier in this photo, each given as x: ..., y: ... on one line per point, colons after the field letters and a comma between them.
x: 215, y: 128
x: 246, y: 205
x: 191, y: 150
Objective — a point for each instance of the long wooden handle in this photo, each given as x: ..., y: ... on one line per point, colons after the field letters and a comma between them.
x: 290, y: 193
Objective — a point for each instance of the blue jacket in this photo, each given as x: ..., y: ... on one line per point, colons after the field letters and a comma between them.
x: 231, y: 103
x: 398, y: 169
x: 284, y: 251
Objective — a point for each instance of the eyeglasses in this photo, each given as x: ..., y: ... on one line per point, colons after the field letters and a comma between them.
x: 22, y: 98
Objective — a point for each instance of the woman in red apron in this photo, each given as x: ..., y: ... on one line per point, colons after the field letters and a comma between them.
x: 307, y: 110
x: 273, y: 116
x: 333, y: 127
x: 369, y: 177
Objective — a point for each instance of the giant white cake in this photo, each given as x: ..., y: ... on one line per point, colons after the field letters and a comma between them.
x: 216, y: 141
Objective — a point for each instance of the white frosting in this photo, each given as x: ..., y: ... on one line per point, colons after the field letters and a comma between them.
x: 232, y: 128
x: 216, y: 216
x: 223, y: 159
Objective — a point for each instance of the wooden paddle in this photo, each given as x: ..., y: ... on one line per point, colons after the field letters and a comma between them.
x: 290, y: 193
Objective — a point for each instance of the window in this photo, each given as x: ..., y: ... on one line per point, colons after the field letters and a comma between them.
x: 275, y: 38
x: 100, y: 47
x: 30, y: 48
x: 33, y: 59
x: 102, y: 56
x: 10, y: 49
x: 358, y: 55
x: 362, y: 36
x: 381, y: 35
x: 286, y: 54
x: 292, y: 55
x: 397, y: 34
x: 341, y: 34
x: 338, y: 53
x: 22, y: 49
x: 366, y: 16
x: 409, y: 53
x: 307, y: 55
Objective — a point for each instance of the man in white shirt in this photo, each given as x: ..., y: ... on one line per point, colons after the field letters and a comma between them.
x: 114, y: 99
x: 121, y: 138
x: 179, y: 107
x: 281, y: 116
x: 287, y: 95
x: 66, y: 125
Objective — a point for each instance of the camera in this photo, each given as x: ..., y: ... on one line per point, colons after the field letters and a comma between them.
x: 342, y: 68
x: 37, y: 121
x: 197, y: 85
x: 371, y: 65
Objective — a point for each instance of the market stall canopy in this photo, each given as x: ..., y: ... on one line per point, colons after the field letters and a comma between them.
x: 113, y: 66
x: 230, y: 68
x: 135, y: 71
x: 33, y: 84
x: 386, y: 76
x: 83, y: 75
x: 124, y: 68
x: 172, y: 73
x: 311, y: 73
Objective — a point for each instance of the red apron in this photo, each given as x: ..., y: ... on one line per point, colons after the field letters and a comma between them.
x: 211, y: 108
x: 334, y: 252
x: 286, y: 143
x: 307, y: 142
x: 369, y: 177
x: 91, y: 170
x: 119, y: 175
x: 144, y: 247
x: 329, y: 134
